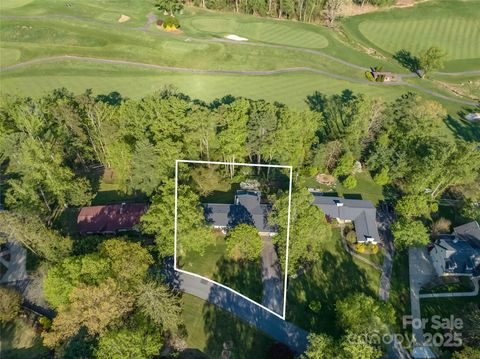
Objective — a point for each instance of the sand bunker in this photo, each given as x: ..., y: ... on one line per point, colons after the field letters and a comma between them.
x: 124, y: 18
x: 236, y: 38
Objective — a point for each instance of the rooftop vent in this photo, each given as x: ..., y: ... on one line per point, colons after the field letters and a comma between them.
x: 338, y: 203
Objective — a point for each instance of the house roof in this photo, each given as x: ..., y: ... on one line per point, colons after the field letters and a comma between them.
x: 469, y: 231
x: 110, y: 218
x: 460, y: 255
x: 361, y: 212
x: 245, y: 209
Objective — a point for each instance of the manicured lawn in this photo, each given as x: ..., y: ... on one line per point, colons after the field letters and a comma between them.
x: 451, y: 25
x: 19, y: 341
x: 365, y: 189
x: 334, y: 277
x: 400, y: 289
x: 242, y: 276
x: 445, y: 307
x: 208, y: 327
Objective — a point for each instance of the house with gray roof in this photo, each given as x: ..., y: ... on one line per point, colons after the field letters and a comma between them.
x: 362, y: 213
x: 245, y: 209
x: 458, y: 254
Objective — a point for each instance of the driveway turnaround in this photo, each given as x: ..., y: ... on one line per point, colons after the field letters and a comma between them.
x: 281, y: 330
x: 271, y: 278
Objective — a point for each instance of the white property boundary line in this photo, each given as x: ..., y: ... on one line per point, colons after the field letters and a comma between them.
x: 288, y: 231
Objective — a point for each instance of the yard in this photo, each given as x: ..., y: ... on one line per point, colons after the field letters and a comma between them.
x: 243, y: 276
x: 335, y: 276
x: 207, y: 328
x: 365, y: 189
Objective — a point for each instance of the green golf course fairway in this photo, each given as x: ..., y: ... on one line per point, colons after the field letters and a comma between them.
x: 48, y: 30
x: 452, y: 25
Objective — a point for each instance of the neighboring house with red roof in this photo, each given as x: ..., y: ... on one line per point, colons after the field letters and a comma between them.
x: 110, y: 219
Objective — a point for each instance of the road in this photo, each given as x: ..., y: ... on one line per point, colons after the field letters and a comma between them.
x: 384, y: 220
x: 281, y: 330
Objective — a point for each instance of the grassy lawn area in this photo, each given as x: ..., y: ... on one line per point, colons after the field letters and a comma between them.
x: 20, y: 341
x: 400, y: 288
x: 208, y: 327
x: 335, y: 276
x: 365, y: 189
x: 445, y: 307
x: 98, y: 34
x: 451, y: 25
x: 243, y: 276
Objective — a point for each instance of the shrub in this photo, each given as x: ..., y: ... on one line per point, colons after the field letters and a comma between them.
x: 360, y: 247
x: 380, y: 78
x: 350, y: 182
x: 369, y: 76
x: 171, y: 23
x: 373, y: 248
x: 351, y: 237
x: 382, y: 178
x: 315, y: 306
x: 10, y: 301
x: 45, y: 322
x: 442, y: 225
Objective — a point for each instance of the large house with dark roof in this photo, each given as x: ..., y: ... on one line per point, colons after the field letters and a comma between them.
x: 459, y: 253
x: 245, y: 209
x: 362, y: 213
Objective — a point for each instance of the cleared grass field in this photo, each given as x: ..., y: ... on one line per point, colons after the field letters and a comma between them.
x: 451, y: 25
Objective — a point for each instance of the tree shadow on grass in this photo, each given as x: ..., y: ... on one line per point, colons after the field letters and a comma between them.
x: 407, y: 60
x: 243, y: 276
x: 334, y: 277
x: 462, y: 129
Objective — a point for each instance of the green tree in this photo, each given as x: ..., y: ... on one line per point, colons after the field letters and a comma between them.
x: 129, y: 262
x: 192, y: 232
x: 431, y: 59
x: 382, y: 178
x: 207, y: 180
x: 158, y: 303
x: 409, y: 233
x: 355, y: 346
x: 172, y: 6
x: 138, y: 340
x: 308, y: 229
x: 96, y: 308
x: 350, y: 182
x: 411, y: 206
x: 62, y: 278
x: 361, y: 314
x: 244, y: 243
x: 320, y: 346
x: 33, y: 234
x: 344, y: 165
x: 10, y: 301
x: 467, y: 353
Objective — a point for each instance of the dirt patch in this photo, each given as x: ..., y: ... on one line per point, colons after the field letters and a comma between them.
x: 352, y: 9
x: 467, y: 89
x: 124, y: 18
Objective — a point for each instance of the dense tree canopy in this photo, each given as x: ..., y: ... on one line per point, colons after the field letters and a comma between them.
x: 244, y: 242
x: 308, y: 229
x: 10, y: 301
